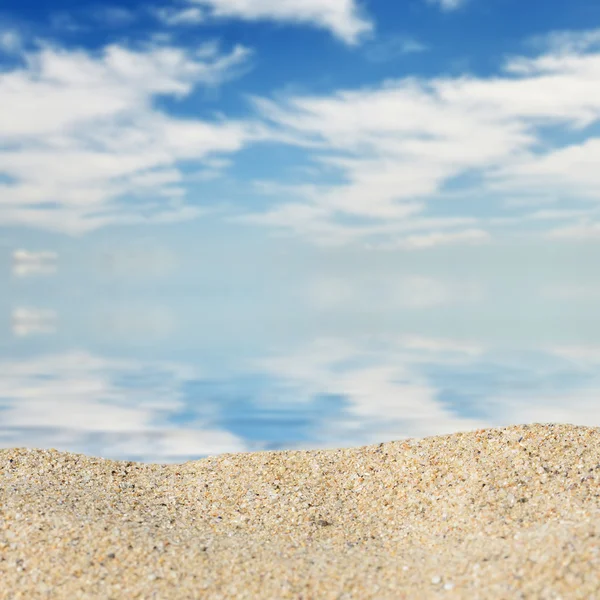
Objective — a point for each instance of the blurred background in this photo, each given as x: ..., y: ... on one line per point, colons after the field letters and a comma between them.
x: 240, y: 226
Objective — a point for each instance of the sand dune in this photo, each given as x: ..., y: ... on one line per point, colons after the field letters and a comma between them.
x: 498, y: 513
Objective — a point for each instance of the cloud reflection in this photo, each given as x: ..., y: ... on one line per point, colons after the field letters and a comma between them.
x: 330, y: 392
x: 112, y: 408
x: 388, y: 396
x: 26, y: 263
x: 30, y: 321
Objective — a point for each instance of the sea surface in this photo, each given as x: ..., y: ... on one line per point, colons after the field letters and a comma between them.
x: 138, y: 350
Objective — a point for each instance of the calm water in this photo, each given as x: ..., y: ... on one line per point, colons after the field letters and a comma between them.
x: 234, y: 225
x: 124, y: 356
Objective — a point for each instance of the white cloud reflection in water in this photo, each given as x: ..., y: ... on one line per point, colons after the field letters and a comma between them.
x: 83, y: 403
x: 32, y: 321
x: 168, y: 352
x: 327, y: 393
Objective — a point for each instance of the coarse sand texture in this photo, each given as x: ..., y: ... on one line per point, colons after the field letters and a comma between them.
x: 497, y: 513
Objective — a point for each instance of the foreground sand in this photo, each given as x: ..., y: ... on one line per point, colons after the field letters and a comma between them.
x: 498, y: 513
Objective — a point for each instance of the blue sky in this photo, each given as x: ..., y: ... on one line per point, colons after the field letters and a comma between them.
x: 394, y: 124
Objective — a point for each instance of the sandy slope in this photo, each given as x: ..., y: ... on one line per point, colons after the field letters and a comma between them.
x: 499, y: 513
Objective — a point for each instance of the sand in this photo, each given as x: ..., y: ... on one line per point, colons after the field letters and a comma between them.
x: 496, y: 513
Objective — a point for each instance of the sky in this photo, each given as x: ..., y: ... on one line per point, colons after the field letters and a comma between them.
x: 387, y: 124
x: 256, y: 193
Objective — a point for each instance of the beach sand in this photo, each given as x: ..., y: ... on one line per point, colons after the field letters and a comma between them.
x: 497, y: 513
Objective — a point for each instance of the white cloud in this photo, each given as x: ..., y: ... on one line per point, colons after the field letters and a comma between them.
x: 393, y: 47
x: 584, y: 230
x: 184, y: 16
x: 80, y: 133
x: 27, y: 256
x: 575, y: 407
x: 77, y: 402
x: 388, y: 391
x: 10, y: 41
x: 343, y: 18
x: 387, y: 397
x: 448, y: 4
x: 174, y: 446
x: 583, y: 356
x: 428, y: 240
x: 25, y: 263
x: 30, y: 321
x: 399, y: 146
x: 437, y: 345
x: 30, y: 269
x: 566, y: 170
x: 567, y: 41
x: 560, y: 215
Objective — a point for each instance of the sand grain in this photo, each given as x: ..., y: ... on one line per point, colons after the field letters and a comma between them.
x: 498, y: 513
